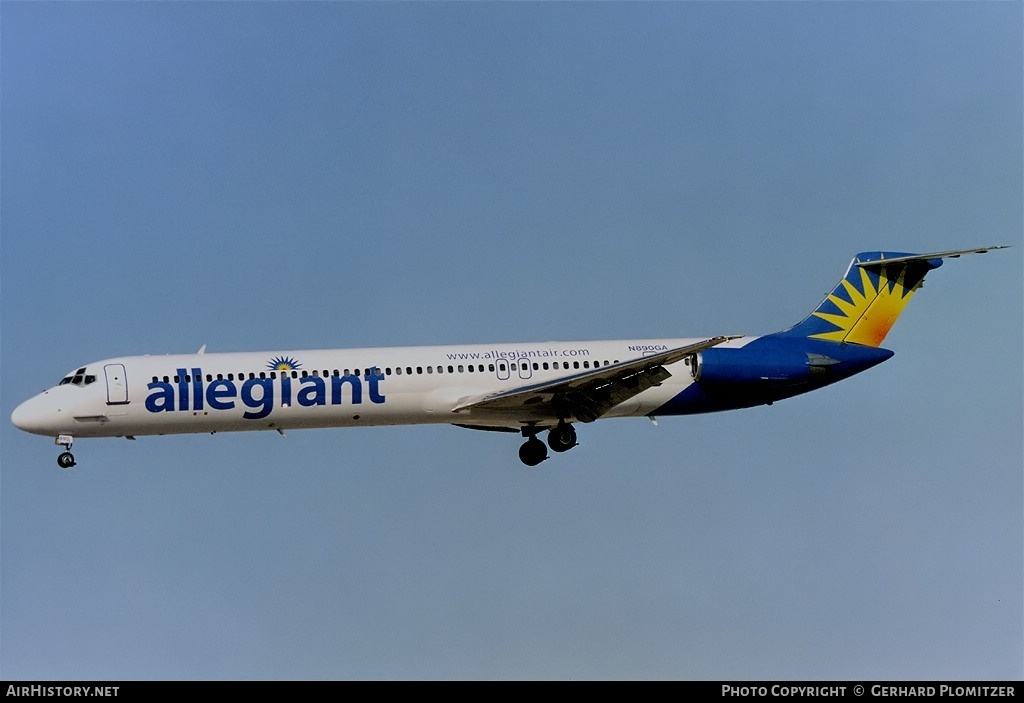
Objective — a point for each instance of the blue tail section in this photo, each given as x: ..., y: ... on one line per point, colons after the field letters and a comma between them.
x: 768, y: 369
x: 840, y: 338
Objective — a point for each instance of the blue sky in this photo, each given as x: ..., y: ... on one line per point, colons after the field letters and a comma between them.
x: 270, y: 176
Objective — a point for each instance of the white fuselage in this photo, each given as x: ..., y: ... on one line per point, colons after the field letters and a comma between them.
x: 143, y: 395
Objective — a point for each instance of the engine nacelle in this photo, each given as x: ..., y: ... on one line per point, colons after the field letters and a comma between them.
x: 760, y: 366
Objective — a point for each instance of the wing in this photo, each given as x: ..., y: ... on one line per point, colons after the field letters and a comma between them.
x: 588, y: 395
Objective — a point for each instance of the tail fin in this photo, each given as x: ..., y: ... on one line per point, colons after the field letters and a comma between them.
x: 866, y: 302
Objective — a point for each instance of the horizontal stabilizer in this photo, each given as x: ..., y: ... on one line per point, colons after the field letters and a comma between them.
x: 929, y: 257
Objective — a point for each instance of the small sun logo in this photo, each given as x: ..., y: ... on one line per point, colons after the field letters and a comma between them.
x: 283, y: 363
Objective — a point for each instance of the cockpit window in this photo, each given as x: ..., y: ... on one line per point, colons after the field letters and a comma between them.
x: 78, y: 378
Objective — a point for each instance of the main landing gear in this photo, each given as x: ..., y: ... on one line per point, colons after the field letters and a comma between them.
x: 66, y: 459
x: 561, y: 438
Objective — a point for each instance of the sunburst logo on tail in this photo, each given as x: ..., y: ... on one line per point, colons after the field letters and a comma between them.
x: 866, y: 305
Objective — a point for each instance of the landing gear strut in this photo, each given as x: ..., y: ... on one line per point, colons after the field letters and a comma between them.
x: 66, y: 459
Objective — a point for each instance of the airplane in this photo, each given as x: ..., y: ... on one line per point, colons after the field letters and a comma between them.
x: 523, y: 388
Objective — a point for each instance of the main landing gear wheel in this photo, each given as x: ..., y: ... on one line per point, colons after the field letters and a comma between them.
x: 562, y: 438
x: 533, y: 452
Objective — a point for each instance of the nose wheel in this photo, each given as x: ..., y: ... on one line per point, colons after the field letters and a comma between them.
x: 66, y: 459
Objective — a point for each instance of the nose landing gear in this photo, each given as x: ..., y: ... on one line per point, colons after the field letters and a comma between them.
x: 66, y: 459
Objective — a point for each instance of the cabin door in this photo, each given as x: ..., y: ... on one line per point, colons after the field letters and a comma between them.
x: 117, y: 384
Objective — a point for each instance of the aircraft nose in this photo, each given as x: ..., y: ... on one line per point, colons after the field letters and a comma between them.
x: 35, y: 415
